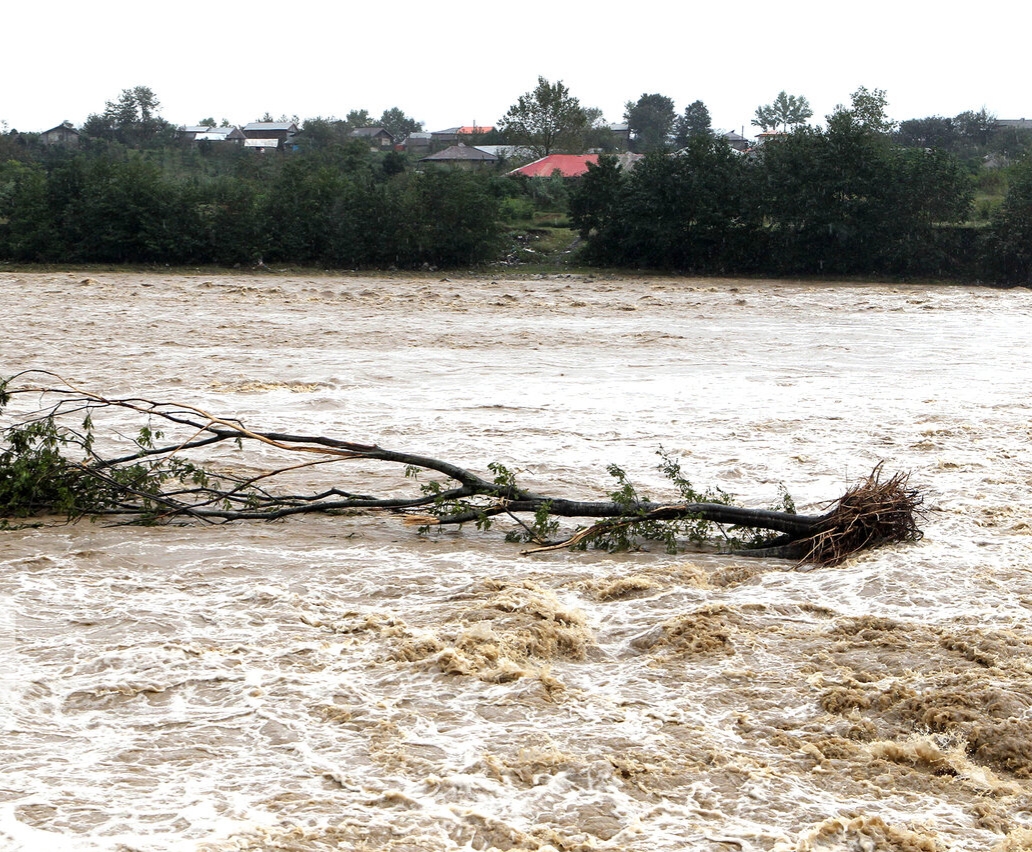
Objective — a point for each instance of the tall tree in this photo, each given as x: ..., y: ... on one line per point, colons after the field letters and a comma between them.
x: 595, y: 197
x: 650, y: 121
x: 1009, y: 254
x: 358, y: 118
x: 546, y: 119
x: 931, y: 132
x: 321, y: 133
x: 599, y: 137
x: 847, y: 200
x: 977, y: 127
x: 399, y: 125
x: 133, y: 119
x: 787, y: 111
x: 684, y: 212
x: 694, y: 122
x: 866, y: 113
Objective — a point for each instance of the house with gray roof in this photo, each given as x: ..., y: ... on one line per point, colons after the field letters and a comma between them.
x: 209, y: 133
x: 461, y: 156
x: 280, y: 131
x: 378, y: 138
x: 63, y: 134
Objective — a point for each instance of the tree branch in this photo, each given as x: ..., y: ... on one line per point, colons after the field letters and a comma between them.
x: 156, y: 483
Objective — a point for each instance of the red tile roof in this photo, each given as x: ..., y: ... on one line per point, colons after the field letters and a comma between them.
x: 568, y: 165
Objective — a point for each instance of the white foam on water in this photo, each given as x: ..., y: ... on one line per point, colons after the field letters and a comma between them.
x: 329, y: 682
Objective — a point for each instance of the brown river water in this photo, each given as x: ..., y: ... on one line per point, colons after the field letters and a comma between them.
x: 343, y: 683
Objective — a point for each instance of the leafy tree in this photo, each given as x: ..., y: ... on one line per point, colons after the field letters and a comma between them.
x: 29, y: 230
x: 132, y: 120
x: 357, y: 118
x: 928, y: 188
x: 847, y: 200
x: 977, y: 127
x: 128, y: 212
x: 393, y: 163
x: 399, y: 125
x: 686, y: 212
x: 599, y: 137
x: 445, y: 217
x: 787, y: 111
x: 650, y: 121
x: 229, y: 230
x: 931, y: 132
x: 594, y: 201
x: 866, y: 113
x: 1009, y: 254
x: 546, y: 119
x: 322, y: 133
x: 18, y: 146
x: 694, y: 122
x: 1010, y: 143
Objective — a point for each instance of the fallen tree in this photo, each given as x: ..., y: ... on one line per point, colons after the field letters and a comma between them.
x: 52, y: 463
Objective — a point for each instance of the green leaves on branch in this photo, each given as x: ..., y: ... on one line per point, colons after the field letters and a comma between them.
x: 325, y: 208
x: 786, y: 112
x: 45, y: 469
x: 546, y: 119
x: 635, y: 523
x: 52, y: 461
x: 50, y: 465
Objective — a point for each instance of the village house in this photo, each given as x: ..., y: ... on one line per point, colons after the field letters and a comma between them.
x: 570, y: 165
x: 269, y: 134
x: 207, y: 133
x: 63, y: 134
x: 737, y: 141
x: 467, y: 134
x: 378, y: 138
x: 462, y: 156
x: 418, y: 143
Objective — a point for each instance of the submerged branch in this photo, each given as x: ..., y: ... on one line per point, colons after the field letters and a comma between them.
x: 50, y: 464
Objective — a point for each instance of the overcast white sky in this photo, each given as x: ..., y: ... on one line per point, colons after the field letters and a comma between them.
x: 447, y: 63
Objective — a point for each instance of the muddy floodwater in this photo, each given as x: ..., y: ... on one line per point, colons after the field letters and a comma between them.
x: 344, y: 683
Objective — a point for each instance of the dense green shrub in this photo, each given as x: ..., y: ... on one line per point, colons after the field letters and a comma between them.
x: 838, y: 201
x: 335, y: 208
x: 686, y: 212
x: 1008, y: 245
x: 843, y: 200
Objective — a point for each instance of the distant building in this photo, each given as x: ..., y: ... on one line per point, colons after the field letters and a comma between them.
x: 466, y: 134
x: 282, y: 131
x: 63, y: 134
x: 378, y: 138
x: 569, y: 165
x: 736, y: 141
x: 209, y: 133
x: 506, y: 152
x: 418, y: 143
x: 261, y: 145
x: 622, y: 134
x: 765, y: 136
x: 461, y: 156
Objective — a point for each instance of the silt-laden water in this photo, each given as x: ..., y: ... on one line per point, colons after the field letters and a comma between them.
x: 344, y: 683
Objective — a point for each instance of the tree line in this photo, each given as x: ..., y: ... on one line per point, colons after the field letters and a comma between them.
x: 854, y: 197
x: 845, y: 199
x: 342, y: 207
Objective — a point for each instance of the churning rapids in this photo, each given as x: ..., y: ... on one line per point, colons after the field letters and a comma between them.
x: 343, y: 683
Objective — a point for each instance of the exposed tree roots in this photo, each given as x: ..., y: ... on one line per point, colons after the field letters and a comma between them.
x: 871, y: 513
x: 51, y: 461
